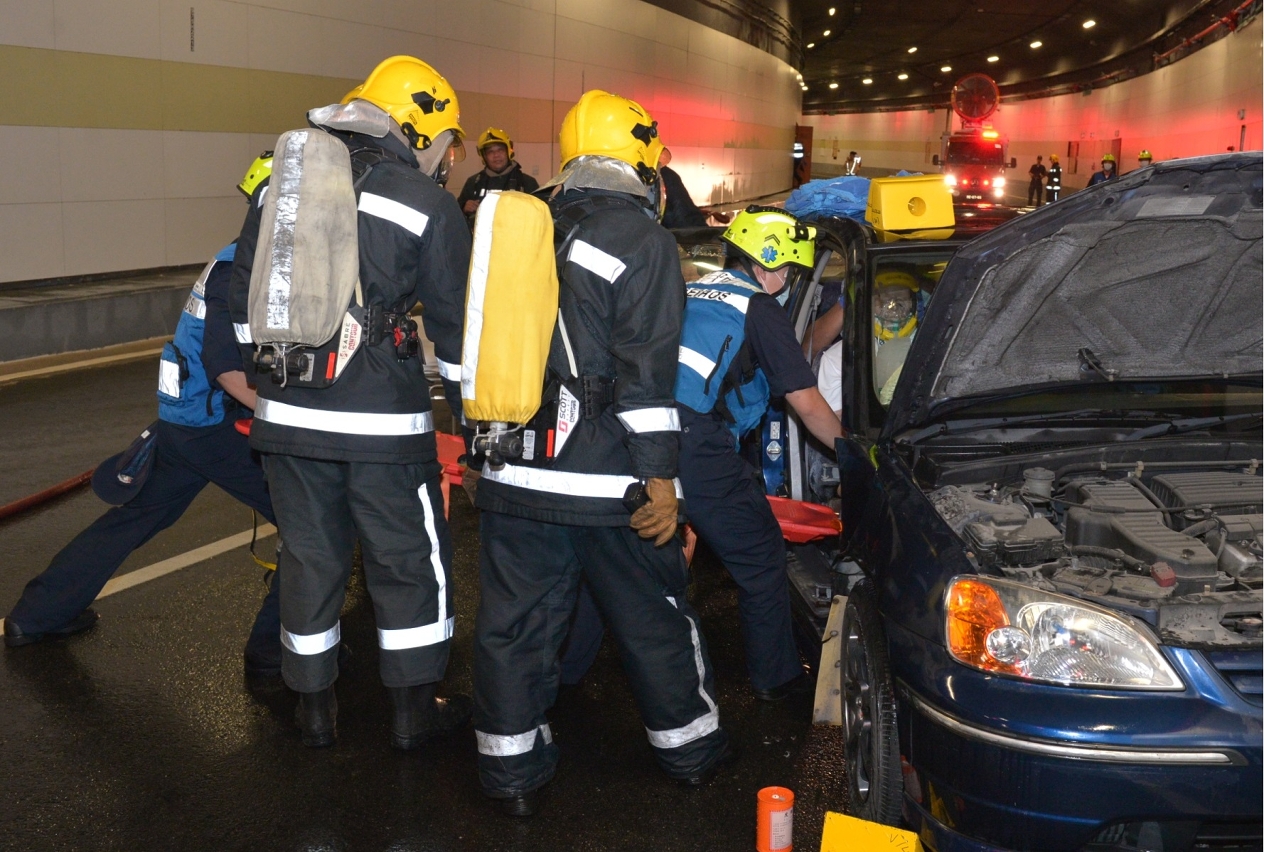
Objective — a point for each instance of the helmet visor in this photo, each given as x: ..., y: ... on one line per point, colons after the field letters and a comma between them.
x: 892, y: 306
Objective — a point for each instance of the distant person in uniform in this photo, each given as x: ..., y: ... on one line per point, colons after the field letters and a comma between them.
x: 500, y: 171
x: 852, y: 163
x: 681, y: 212
x: 1107, y: 172
x: 1144, y: 159
x: 1036, y: 189
x: 1054, y: 188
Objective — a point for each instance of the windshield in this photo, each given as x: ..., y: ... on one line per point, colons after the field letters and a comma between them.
x: 975, y: 152
x: 901, y: 287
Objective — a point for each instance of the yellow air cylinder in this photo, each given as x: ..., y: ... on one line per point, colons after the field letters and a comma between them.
x: 915, y: 203
x: 510, y: 308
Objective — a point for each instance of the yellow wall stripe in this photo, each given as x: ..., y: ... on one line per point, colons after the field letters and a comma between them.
x: 58, y: 88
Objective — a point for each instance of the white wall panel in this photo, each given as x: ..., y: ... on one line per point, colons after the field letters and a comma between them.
x: 107, y: 199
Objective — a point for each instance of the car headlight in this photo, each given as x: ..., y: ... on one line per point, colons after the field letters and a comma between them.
x: 1011, y: 629
x: 950, y: 180
x: 999, y: 182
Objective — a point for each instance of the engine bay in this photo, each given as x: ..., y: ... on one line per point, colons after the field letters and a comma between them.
x: 1180, y: 549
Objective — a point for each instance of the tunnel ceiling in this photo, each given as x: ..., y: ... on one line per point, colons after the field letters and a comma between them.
x: 873, y: 40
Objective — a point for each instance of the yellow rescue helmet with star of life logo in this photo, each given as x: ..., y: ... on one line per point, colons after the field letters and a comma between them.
x: 772, y: 238
x: 259, y: 171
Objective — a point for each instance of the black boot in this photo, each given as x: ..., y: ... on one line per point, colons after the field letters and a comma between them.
x: 317, y: 716
x: 419, y: 715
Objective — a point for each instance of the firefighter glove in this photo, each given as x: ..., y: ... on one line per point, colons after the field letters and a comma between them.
x: 657, y: 518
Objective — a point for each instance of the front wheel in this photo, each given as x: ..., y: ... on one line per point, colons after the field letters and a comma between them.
x: 874, y: 781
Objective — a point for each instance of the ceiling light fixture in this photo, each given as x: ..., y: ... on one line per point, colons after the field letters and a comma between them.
x: 912, y: 50
x: 1036, y: 44
x: 902, y: 77
x: 831, y: 10
x: 867, y: 81
x: 811, y: 45
x: 946, y: 68
x: 994, y: 59
x: 1089, y: 24
x: 826, y: 33
x: 833, y: 85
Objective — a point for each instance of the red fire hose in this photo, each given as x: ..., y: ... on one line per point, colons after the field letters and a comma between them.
x: 45, y: 495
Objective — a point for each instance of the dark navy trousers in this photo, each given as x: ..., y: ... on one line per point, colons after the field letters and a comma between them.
x: 187, y: 459
x: 725, y: 500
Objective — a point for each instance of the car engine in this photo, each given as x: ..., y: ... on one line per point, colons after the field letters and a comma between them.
x: 1182, y: 550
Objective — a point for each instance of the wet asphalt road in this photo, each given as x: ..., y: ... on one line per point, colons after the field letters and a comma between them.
x: 143, y: 734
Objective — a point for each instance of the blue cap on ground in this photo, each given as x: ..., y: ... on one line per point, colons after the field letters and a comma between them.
x: 120, y: 477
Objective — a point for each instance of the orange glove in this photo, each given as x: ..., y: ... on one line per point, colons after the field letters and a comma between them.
x: 657, y: 518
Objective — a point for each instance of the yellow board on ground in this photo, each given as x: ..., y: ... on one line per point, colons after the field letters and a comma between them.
x: 848, y: 834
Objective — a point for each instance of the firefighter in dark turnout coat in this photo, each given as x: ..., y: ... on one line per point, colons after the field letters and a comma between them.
x: 357, y: 459
x: 604, y: 444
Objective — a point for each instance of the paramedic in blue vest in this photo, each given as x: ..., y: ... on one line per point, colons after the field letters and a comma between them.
x: 500, y: 171
x: 738, y: 350
x: 596, y: 496
x: 351, y: 455
x: 202, y: 391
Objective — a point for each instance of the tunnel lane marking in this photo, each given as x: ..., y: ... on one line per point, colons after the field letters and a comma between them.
x: 176, y: 563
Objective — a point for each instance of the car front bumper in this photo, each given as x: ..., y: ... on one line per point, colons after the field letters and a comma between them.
x: 1043, y: 767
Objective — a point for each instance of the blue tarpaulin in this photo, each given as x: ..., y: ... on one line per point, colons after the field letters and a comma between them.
x: 840, y: 196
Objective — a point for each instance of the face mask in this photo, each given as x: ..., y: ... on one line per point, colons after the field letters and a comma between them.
x: 783, y: 297
x: 1108, y: 167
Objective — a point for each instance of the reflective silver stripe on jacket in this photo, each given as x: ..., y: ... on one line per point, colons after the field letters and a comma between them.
x: 596, y: 261
x: 314, y: 643
x: 704, y: 724
x: 441, y: 629
x: 451, y: 372
x: 565, y: 482
x: 651, y: 420
x: 480, y: 263
x: 344, y: 422
x: 696, y: 361
x: 413, y: 221
x: 507, y: 745
x: 242, y: 330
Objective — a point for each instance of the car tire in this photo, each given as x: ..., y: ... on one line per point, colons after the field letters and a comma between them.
x: 872, y: 742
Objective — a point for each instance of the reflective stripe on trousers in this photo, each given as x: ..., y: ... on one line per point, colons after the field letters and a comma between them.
x: 313, y: 643
x: 441, y: 629
x: 704, y: 724
x: 508, y: 745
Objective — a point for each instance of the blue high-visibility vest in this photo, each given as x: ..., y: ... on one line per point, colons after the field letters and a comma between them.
x: 713, y: 333
x: 185, y: 395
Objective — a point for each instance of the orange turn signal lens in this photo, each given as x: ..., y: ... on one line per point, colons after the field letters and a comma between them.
x: 974, y: 611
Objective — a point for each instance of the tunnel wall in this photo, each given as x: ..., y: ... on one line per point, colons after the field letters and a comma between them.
x: 1182, y: 110
x: 126, y: 124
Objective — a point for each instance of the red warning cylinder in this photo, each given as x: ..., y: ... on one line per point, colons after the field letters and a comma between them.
x: 774, y: 822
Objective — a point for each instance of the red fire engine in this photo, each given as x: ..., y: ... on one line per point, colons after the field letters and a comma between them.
x: 973, y: 159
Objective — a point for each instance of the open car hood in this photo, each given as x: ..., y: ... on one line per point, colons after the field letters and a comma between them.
x: 1157, y: 274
